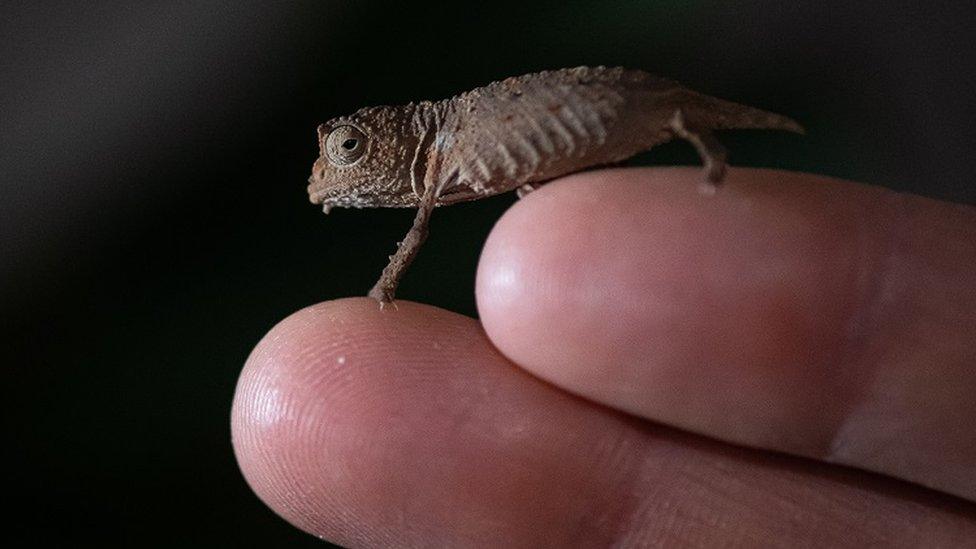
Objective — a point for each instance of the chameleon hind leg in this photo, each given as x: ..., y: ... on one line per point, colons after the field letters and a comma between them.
x: 712, y: 153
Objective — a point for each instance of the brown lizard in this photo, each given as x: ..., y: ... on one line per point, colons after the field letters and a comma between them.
x: 511, y: 135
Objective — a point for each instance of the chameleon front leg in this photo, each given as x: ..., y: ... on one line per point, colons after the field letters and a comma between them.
x: 712, y: 153
x: 385, y: 288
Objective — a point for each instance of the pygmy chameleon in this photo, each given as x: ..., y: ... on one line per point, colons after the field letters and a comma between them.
x: 511, y: 135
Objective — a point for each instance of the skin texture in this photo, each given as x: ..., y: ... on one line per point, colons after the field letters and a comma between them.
x: 788, y: 312
x: 512, y: 134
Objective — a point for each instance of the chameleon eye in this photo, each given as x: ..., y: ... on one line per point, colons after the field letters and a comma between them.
x: 345, y: 145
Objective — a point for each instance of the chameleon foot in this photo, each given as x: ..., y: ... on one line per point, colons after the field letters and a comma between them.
x: 383, y: 295
x: 524, y: 190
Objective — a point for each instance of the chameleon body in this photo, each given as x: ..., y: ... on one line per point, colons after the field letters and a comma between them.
x: 511, y: 135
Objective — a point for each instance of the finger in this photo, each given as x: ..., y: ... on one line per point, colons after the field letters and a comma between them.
x: 407, y: 428
x: 789, y: 312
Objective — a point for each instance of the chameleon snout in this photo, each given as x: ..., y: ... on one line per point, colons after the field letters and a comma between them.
x: 316, y: 182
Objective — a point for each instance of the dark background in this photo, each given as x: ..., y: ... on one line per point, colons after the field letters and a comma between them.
x: 154, y: 223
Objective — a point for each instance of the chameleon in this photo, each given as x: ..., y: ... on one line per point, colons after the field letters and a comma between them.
x: 513, y: 134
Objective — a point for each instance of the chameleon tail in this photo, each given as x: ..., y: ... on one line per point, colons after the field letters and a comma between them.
x: 725, y: 115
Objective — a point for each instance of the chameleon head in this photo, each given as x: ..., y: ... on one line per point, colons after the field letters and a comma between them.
x: 364, y: 161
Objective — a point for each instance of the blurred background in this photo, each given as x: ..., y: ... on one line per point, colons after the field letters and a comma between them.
x: 154, y: 222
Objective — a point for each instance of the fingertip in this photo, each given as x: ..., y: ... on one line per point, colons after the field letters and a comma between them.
x: 406, y: 427
x: 278, y: 387
x: 708, y: 312
x: 313, y: 406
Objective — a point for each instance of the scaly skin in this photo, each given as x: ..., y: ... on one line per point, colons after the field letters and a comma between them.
x: 511, y: 135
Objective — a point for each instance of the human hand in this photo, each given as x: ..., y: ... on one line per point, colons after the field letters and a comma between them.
x: 789, y: 313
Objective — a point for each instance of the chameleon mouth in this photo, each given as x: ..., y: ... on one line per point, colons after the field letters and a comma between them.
x: 330, y: 195
x: 344, y: 198
x: 343, y: 201
x: 326, y: 197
